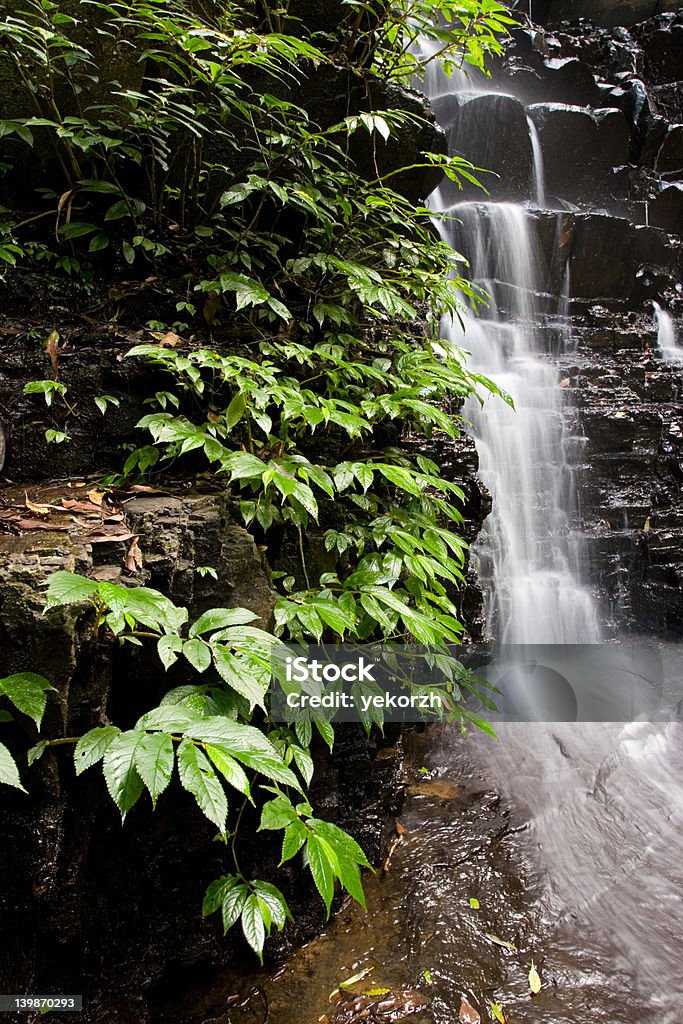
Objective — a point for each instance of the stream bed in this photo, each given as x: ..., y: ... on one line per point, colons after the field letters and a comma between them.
x: 560, y: 844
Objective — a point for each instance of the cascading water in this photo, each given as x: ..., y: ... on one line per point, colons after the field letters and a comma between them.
x: 529, y: 555
x: 667, y: 343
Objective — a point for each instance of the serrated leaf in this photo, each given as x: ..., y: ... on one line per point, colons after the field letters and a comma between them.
x: 9, y: 773
x: 294, y: 838
x: 68, y: 588
x: 216, y: 892
x: 123, y: 781
x: 168, y: 648
x: 247, y: 744
x: 277, y: 813
x: 198, y: 777
x: 231, y: 771
x: 154, y: 759
x: 26, y: 691
x: 253, y: 926
x: 339, y: 839
x: 198, y: 654
x: 232, y: 905
x: 36, y: 752
x: 324, y: 866
x: 237, y: 675
x: 271, y: 896
x: 92, y: 747
x: 220, y: 618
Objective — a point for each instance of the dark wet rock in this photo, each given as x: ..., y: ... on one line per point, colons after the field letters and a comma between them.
x: 580, y: 148
x: 670, y: 156
x: 504, y: 148
x: 607, y: 13
x: 666, y: 209
x: 662, y: 43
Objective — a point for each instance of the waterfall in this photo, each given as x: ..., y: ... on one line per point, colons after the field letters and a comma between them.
x: 538, y: 175
x: 528, y: 553
x: 667, y: 344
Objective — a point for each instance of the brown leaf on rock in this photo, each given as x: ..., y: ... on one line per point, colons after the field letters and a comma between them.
x: 84, y: 507
x: 468, y: 1015
x: 107, y: 535
x: 133, y: 559
x: 40, y: 510
x: 96, y: 497
x: 52, y: 350
x: 38, y: 524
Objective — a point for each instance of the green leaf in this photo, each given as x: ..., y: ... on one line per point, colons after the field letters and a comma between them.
x: 216, y: 893
x: 123, y: 781
x: 35, y: 753
x: 253, y: 926
x: 232, y: 905
x: 231, y: 771
x: 235, y: 410
x: 92, y: 747
x: 245, y: 743
x: 198, y: 777
x: 27, y: 692
x: 220, y: 618
x: 324, y: 866
x: 69, y: 588
x: 235, y: 673
x: 198, y: 654
x: 277, y: 814
x: 271, y: 896
x: 154, y: 759
x: 294, y: 838
x: 9, y: 773
x: 341, y: 841
x: 168, y: 648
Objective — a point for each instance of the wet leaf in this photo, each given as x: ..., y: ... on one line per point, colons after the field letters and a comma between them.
x: 468, y: 1015
x: 497, y: 1012
x: 501, y: 942
x: 534, y: 979
x: 355, y: 978
x: 40, y: 510
x: 96, y: 497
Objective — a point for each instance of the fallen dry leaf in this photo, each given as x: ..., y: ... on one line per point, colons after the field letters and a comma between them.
x: 534, y: 979
x: 96, y: 497
x: 86, y: 507
x: 40, y: 510
x: 38, y: 524
x: 52, y: 350
x: 133, y: 559
x: 104, y: 536
x: 170, y: 340
x: 400, y: 829
x: 468, y: 1015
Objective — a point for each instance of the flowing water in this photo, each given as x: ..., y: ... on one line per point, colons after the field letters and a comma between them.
x: 667, y: 342
x: 558, y: 843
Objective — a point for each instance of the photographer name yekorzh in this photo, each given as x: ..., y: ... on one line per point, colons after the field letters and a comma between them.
x: 346, y: 685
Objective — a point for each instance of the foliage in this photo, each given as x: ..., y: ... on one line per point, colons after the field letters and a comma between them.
x: 200, y: 174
